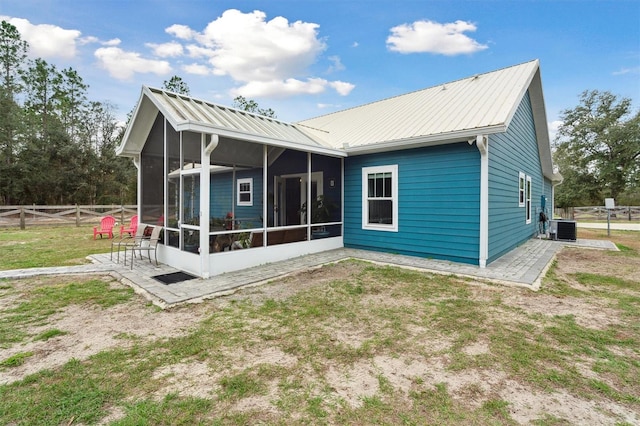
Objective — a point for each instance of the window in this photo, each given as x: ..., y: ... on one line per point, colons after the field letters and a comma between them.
x: 521, y: 180
x: 528, y: 206
x: 380, y: 198
x: 245, y: 191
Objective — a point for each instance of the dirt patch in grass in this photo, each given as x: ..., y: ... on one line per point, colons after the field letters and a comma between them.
x: 352, y: 343
x: 90, y: 329
x: 588, y: 313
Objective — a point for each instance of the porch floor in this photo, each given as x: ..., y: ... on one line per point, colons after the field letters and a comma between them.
x: 524, y: 266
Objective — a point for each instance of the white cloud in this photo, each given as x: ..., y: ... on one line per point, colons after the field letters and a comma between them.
x: 432, y: 37
x: 196, y: 69
x: 342, y: 87
x: 280, y: 88
x: 112, y: 42
x: 268, y: 58
x: 181, y: 31
x: 166, y: 50
x: 195, y: 51
x: 623, y: 71
x: 88, y: 40
x: 47, y: 41
x: 291, y: 86
x: 247, y: 47
x: 336, y: 64
x: 553, y: 129
x: 123, y: 65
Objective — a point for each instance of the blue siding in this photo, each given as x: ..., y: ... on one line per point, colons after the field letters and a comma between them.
x: 438, y: 206
x: 222, y: 190
x: 221, y: 195
x: 510, y: 153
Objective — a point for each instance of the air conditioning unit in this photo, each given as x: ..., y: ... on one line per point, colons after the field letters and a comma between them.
x: 566, y: 230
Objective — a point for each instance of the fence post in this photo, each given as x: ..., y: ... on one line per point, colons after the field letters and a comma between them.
x: 77, y: 215
x: 22, y: 220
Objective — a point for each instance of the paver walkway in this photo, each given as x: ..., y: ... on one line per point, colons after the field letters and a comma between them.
x: 523, y: 266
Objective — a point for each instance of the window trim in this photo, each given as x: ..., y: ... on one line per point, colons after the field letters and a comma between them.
x: 528, y: 200
x: 366, y: 171
x: 239, y: 182
x: 521, y: 189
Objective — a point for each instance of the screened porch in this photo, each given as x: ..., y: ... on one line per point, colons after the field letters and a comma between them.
x: 252, y: 203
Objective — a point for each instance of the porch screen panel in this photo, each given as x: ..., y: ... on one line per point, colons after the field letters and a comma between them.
x: 328, y: 202
x: 173, y: 188
x: 191, y: 169
x: 152, y: 175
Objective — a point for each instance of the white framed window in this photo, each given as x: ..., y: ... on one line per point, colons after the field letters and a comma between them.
x: 380, y: 198
x: 245, y: 192
x: 521, y: 189
x: 528, y: 206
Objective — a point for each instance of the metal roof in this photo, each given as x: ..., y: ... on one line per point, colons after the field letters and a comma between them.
x: 450, y: 112
x: 482, y: 103
x: 185, y: 113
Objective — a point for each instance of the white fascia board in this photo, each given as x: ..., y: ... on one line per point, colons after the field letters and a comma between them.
x: 139, y: 110
x: 541, y: 127
x: 431, y: 140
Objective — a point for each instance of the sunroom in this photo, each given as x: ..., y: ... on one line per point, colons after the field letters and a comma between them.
x: 267, y: 191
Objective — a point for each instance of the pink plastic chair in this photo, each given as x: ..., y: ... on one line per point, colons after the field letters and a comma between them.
x: 106, y: 227
x: 131, y: 229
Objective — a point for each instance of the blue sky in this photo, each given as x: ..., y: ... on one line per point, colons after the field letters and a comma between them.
x: 305, y: 58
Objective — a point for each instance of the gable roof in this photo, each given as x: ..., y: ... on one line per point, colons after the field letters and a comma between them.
x: 450, y: 112
x: 185, y: 113
x: 447, y: 113
x: 482, y: 103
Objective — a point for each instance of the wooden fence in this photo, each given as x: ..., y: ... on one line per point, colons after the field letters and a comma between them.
x: 599, y: 213
x: 23, y: 216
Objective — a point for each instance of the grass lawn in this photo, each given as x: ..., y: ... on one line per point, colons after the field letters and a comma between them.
x: 349, y: 343
x: 41, y: 246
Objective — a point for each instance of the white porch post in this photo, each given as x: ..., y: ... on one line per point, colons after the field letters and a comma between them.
x: 482, y: 143
x: 265, y: 175
x: 136, y: 163
x: 205, y: 205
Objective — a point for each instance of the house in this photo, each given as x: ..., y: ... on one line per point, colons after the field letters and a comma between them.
x: 459, y: 171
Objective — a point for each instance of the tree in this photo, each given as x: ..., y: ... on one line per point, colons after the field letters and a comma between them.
x: 42, y: 82
x: 13, y: 51
x: 71, y: 100
x: 177, y: 85
x: 598, y: 150
x: 56, y: 146
x: 249, y: 105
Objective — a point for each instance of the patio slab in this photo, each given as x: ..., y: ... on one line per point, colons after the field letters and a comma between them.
x: 524, y: 266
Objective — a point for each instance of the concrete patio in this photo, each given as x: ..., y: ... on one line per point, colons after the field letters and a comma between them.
x: 525, y: 266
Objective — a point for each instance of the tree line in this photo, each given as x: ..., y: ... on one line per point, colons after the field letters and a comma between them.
x: 56, y: 145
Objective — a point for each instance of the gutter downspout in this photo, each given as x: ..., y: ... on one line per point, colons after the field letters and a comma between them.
x: 205, y: 204
x: 136, y: 163
x: 482, y: 143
